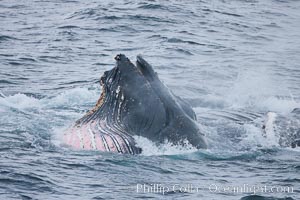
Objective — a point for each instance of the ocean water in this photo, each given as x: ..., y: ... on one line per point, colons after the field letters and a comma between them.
x: 230, y: 59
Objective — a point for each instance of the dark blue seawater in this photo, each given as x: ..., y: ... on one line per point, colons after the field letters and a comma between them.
x: 231, y: 59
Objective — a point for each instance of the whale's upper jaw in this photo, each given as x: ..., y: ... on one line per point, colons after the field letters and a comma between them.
x: 129, y: 76
x: 142, y: 66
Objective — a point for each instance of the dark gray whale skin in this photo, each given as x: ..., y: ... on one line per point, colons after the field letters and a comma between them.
x: 139, y: 104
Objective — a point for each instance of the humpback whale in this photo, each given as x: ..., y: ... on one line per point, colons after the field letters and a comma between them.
x: 134, y: 102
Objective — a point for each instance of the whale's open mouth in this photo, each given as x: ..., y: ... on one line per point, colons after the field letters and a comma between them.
x: 134, y: 102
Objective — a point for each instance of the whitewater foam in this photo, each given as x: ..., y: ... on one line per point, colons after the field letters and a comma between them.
x: 70, y: 98
x: 19, y: 101
x: 150, y: 148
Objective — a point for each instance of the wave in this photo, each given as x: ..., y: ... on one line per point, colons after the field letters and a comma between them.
x: 259, y: 197
x: 177, y: 40
x: 66, y: 101
x: 68, y: 27
x: 7, y: 82
x: 6, y: 38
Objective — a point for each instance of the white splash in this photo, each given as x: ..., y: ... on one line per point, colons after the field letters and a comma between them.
x: 257, y: 89
x: 150, y: 148
x: 76, y: 96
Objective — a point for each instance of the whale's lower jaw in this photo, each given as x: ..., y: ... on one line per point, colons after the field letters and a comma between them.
x: 100, y: 137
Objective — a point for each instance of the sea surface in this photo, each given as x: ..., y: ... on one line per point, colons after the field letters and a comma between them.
x: 232, y: 60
